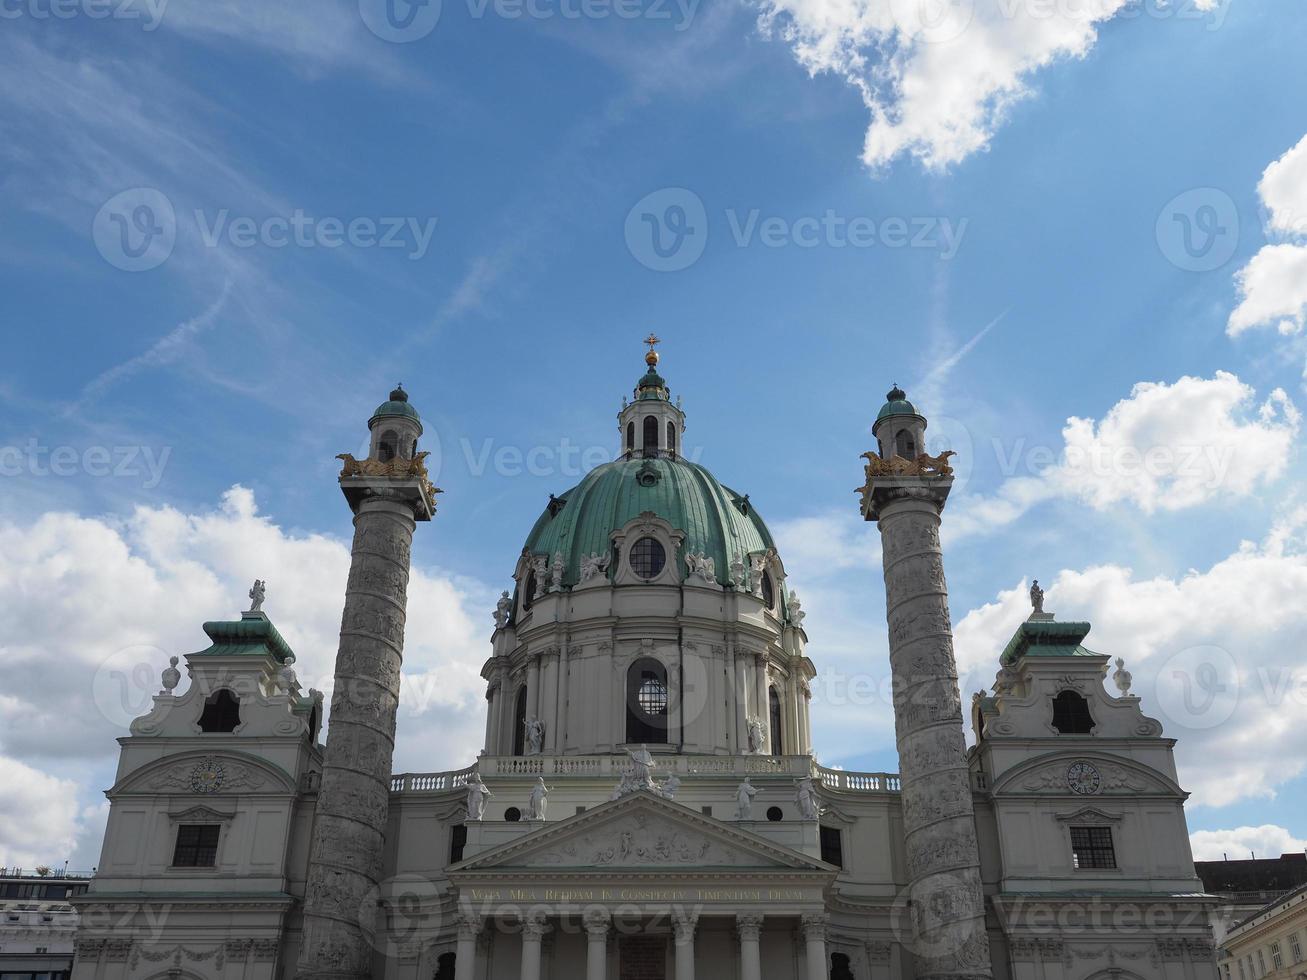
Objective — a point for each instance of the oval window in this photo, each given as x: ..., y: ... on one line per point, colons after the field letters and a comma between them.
x: 648, y: 558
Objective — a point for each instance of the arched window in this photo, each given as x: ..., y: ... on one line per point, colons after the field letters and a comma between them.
x: 671, y: 437
x: 768, y: 591
x: 650, y: 435
x: 386, y: 447
x: 222, y: 712
x: 905, y: 445
x: 1071, y: 714
x: 646, y: 702
x: 445, y: 966
x: 648, y: 558
x: 630, y: 437
x: 413, y: 449
x: 840, y: 967
x: 529, y: 593
x: 519, y: 722
x: 774, y: 713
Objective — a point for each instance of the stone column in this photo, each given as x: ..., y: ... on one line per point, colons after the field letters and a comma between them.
x: 750, y: 930
x: 533, y: 932
x: 596, y: 951
x: 741, y: 697
x: 532, y: 689
x: 683, y: 927
x: 763, y: 702
x: 945, y: 898
x: 465, y: 955
x: 814, y: 936
x: 345, y: 864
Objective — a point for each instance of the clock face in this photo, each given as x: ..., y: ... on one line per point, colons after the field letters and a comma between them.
x: 207, y: 776
x: 1083, y: 778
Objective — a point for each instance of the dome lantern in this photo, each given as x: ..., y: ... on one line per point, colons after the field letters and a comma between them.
x: 651, y: 425
x: 899, y: 429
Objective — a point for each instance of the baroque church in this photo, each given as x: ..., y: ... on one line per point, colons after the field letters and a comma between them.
x: 647, y: 805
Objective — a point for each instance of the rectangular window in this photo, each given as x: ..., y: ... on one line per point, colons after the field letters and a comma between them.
x: 1243, y: 974
x: 457, y: 841
x: 1295, y: 949
x: 832, y: 846
x: 197, y: 846
x: 1091, y: 847
x: 1261, y: 963
x: 1276, y: 958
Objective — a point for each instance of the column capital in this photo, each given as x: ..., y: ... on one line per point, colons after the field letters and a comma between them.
x: 534, y: 926
x: 878, y: 951
x: 469, y: 924
x: 814, y: 927
x: 683, y: 925
x: 749, y: 926
x: 597, y: 923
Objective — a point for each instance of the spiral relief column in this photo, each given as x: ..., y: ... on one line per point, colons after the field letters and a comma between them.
x: 905, y: 493
x: 388, y: 492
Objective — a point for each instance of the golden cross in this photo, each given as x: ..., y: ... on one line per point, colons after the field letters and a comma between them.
x: 652, y: 340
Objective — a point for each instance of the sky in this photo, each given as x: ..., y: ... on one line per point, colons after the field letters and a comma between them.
x: 1075, y: 231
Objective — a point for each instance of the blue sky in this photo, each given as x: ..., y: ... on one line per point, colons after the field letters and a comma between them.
x: 1021, y: 262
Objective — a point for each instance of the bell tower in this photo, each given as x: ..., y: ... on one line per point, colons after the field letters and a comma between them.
x: 389, y: 492
x: 651, y: 425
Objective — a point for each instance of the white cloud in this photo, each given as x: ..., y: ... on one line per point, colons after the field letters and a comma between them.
x: 1234, y: 631
x: 96, y: 595
x: 938, y: 76
x: 1273, y: 285
x: 1265, y: 841
x: 1165, y: 447
x: 38, y: 816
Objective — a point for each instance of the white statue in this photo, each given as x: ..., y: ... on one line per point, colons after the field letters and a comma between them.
x: 669, y: 787
x: 287, y: 679
x: 641, y: 775
x: 539, y: 802
x: 592, y: 565
x: 702, y: 567
x: 257, y: 593
x: 744, y: 800
x: 796, y: 609
x: 502, y: 608
x: 477, y: 794
x: 541, y: 566
x: 171, y: 676
x: 757, y: 739
x: 535, y: 736
x: 759, y: 565
x: 806, y: 797
x: 1120, y: 676
x: 738, y: 577
x: 556, y: 572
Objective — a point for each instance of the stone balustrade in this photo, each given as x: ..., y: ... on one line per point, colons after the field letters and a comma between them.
x: 614, y: 766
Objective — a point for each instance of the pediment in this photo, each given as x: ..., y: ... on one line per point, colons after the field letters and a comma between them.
x: 1085, y: 774
x: 641, y: 832
x: 201, y: 773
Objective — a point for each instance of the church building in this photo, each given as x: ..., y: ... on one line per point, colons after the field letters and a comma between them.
x: 647, y: 805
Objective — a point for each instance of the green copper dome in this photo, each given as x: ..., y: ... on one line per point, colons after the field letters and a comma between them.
x: 716, y: 520
x: 398, y: 405
x: 896, y: 403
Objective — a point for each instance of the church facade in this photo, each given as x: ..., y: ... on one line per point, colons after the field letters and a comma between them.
x: 647, y: 804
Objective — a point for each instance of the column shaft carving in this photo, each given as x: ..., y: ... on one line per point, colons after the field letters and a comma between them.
x: 947, y: 902
x: 345, y: 864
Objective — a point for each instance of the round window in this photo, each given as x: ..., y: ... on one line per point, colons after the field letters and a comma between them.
x: 512, y: 814
x: 648, y: 558
x: 775, y: 814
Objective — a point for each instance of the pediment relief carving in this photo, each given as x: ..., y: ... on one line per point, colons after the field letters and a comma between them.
x: 206, y: 774
x: 1085, y: 776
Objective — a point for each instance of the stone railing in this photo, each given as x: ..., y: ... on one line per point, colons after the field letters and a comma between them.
x: 614, y: 766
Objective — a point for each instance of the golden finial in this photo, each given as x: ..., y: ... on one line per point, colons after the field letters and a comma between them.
x: 651, y: 358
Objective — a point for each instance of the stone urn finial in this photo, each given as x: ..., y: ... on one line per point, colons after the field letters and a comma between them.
x: 1122, y: 677
x: 171, y: 676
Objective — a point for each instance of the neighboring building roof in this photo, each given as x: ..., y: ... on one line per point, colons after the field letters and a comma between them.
x: 252, y: 635
x: 716, y: 520
x: 1047, y: 638
x: 1281, y: 874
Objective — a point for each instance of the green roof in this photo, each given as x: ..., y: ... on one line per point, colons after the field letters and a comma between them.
x: 253, y: 635
x: 896, y: 403
x: 397, y: 405
x: 1047, y: 638
x: 716, y: 520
